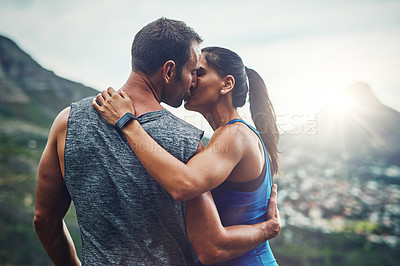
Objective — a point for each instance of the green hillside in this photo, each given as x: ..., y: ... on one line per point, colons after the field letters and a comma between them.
x: 31, y: 97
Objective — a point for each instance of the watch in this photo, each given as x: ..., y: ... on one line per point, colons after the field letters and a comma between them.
x: 124, y: 120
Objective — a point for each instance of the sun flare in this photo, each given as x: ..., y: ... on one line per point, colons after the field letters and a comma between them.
x: 340, y: 105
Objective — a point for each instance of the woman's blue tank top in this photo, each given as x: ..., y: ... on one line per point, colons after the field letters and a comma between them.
x: 238, y: 206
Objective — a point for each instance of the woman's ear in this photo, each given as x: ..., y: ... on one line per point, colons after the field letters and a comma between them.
x: 227, y: 84
x: 169, y: 71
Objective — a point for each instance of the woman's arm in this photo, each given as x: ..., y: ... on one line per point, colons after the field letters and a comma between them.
x: 203, y: 172
x: 214, y: 243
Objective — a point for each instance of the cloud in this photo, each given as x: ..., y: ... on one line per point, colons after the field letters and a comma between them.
x: 302, y: 74
x: 305, y: 50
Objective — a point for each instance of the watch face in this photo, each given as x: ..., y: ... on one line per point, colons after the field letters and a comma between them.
x: 124, y: 120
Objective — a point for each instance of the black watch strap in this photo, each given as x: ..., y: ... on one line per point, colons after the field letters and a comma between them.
x: 124, y: 120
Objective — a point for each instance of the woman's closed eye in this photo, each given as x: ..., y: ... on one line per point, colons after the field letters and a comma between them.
x: 200, y: 73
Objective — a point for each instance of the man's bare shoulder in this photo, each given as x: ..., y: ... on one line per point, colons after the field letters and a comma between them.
x: 56, y: 143
x: 60, y: 122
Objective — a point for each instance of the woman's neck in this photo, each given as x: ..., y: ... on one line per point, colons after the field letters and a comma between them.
x: 220, y: 115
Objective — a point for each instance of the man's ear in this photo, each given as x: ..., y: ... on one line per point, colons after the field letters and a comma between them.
x: 169, y: 71
x: 227, y: 84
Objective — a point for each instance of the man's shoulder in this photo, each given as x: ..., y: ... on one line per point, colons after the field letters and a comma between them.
x: 184, y: 125
x: 61, y: 121
x: 164, y: 119
x: 82, y: 110
x: 83, y: 103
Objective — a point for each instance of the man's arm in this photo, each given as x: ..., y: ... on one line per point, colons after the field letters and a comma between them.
x: 214, y: 243
x: 53, y: 199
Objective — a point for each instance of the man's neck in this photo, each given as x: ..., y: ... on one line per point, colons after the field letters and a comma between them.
x: 144, y: 92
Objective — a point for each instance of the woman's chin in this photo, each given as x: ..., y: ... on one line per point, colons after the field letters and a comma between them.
x: 189, y: 106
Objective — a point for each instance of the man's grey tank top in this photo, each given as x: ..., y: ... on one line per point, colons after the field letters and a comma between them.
x: 125, y: 217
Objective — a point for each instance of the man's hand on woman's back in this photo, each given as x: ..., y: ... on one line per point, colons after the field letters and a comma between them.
x: 272, y: 216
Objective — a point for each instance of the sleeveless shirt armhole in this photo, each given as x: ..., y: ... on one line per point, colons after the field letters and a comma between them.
x: 248, y: 186
x: 252, y: 185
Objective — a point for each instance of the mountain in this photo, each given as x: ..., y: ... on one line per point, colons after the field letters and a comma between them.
x: 28, y: 91
x: 30, y: 99
x: 354, y: 123
x: 339, y: 188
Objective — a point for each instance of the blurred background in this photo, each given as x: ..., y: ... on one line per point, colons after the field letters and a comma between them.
x: 332, y: 70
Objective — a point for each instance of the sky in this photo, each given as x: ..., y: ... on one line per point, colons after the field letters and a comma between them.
x: 306, y: 51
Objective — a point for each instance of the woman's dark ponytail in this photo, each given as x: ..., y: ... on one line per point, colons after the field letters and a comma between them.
x: 263, y: 115
x: 226, y: 62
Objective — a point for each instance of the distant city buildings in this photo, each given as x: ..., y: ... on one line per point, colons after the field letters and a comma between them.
x: 331, y: 195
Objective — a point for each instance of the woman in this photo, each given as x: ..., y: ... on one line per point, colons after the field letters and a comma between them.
x: 236, y: 165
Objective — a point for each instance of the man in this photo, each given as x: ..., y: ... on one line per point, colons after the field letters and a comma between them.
x: 125, y: 217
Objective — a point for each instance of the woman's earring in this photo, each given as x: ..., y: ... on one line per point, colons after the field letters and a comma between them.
x: 222, y: 91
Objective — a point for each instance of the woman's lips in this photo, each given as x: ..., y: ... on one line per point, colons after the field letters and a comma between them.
x: 187, y: 97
